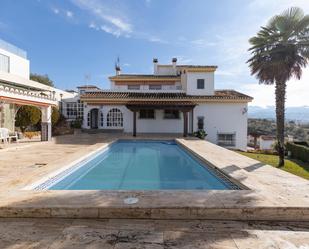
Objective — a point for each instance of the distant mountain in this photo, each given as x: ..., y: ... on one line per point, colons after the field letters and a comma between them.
x: 300, y: 113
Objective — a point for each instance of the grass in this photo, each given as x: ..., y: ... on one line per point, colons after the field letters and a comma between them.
x: 292, y: 166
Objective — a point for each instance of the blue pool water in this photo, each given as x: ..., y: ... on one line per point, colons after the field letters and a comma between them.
x: 141, y: 165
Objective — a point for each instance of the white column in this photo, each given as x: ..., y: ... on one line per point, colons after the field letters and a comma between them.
x: 46, y: 134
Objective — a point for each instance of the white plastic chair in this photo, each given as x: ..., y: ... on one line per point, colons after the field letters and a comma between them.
x: 4, y: 135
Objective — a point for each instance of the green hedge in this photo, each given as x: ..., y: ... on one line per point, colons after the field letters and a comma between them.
x: 300, y: 152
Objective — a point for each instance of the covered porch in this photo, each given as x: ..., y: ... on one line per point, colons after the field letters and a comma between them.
x: 184, y: 107
x: 13, y: 96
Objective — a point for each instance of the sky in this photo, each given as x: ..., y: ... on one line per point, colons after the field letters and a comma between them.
x: 77, y: 42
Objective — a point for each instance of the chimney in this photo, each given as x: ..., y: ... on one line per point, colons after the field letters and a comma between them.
x: 155, y: 65
x: 174, y: 62
x: 118, y: 70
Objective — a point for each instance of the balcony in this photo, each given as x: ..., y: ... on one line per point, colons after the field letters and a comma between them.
x: 11, y: 91
x: 13, y: 49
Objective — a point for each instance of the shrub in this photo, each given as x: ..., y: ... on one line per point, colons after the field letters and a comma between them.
x: 77, y: 124
x: 27, y: 116
x: 201, y: 134
x: 300, y: 152
x: 55, y: 115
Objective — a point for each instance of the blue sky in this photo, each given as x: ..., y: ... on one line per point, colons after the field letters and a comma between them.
x: 70, y: 39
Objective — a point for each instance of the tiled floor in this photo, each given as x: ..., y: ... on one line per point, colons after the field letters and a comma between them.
x: 168, y: 234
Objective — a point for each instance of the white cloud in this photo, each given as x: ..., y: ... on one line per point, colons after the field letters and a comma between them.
x: 55, y: 10
x: 264, y: 95
x: 110, y: 21
x: 202, y: 43
x: 126, y: 64
x: 69, y: 14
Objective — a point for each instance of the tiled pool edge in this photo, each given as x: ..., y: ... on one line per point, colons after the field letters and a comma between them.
x: 214, y: 167
x: 45, y: 182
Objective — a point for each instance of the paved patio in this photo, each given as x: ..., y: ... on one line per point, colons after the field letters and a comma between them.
x: 273, y: 194
x: 138, y: 234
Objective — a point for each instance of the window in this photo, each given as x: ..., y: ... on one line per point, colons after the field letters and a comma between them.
x: 155, y: 87
x: 88, y: 119
x: 101, y: 119
x: 171, y: 114
x: 226, y: 139
x: 133, y: 87
x: 147, y: 114
x: 75, y: 109
x: 4, y: 63
x: 200, y: 84
x: 200, y: 123
x: 71, y: 109
x: 114, y: 118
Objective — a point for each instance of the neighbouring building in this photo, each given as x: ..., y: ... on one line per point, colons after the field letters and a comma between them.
x: 266, y: 142
x: 16, y: 89
x: 179, y: 99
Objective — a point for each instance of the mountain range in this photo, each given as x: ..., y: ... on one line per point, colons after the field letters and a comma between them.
x: 300, y: 113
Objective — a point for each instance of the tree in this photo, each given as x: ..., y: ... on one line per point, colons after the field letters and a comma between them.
x: 26, y: 116
x: 55, y: 115
x: 279, y: 52
x: 44, y: 79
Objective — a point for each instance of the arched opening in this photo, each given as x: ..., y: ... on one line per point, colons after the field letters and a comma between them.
x: 114, y: 118
x: 94, y: 118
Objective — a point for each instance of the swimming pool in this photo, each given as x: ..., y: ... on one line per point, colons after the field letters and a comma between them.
x: 140, y: 165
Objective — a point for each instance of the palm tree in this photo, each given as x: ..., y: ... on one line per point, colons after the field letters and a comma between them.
x: 279, y: 51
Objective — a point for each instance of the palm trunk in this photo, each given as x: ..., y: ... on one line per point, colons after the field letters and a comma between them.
x: 280, y: 111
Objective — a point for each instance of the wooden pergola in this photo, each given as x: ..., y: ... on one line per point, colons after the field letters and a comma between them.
x: 185, y: 107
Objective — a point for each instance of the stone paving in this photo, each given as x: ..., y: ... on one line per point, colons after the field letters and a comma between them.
x: 138, y: 234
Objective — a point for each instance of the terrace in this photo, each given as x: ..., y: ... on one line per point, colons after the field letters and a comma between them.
x: 271, y: 195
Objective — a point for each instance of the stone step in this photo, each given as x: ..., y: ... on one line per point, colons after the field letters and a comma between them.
x: 96, y: 131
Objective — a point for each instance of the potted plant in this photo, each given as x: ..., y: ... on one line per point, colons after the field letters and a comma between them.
x: 201, y: 134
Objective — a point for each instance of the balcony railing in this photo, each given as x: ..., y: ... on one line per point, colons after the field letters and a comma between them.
x: 13, y: 49
x: 25, y: 92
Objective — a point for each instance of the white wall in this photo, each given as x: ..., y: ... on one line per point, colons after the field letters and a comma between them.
x: 225, y: 118
x: 266, y: 144
x: 191, y: 80
x: 166, y: 70
x: 158, y: 125
x: 218, y: 118
x: 18, y: 65
x: 176, y: 86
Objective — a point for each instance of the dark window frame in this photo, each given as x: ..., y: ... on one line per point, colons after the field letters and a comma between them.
x: 147, y: 114
x: 224, y: 141
x: 171, y: 113
x: 200, y: 83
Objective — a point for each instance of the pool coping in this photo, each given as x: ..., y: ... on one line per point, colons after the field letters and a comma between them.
x: 58, y: 175
x: 261, y: 202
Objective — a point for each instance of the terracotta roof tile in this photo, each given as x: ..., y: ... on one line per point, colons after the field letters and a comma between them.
x: 115, y: 95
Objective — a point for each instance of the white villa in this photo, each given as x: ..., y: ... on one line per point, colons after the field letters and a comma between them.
x: 174, y: 99
x: 16, y: 90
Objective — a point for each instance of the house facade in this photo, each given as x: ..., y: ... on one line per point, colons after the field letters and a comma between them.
x: 179, y: 99
x: 16, y: 90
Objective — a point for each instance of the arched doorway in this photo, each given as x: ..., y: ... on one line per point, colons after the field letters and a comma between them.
x: 94, y: 113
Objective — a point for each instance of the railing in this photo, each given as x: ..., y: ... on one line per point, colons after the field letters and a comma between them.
x: 25, y: 92
x: 12, y: 49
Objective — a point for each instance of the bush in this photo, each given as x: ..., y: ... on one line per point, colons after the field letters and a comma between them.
x: 201, y: 134
x: 77, y: 124
x: 300, y: 152
x: 27, y: 116
x: 302, y: 143
x: 55, y: 115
